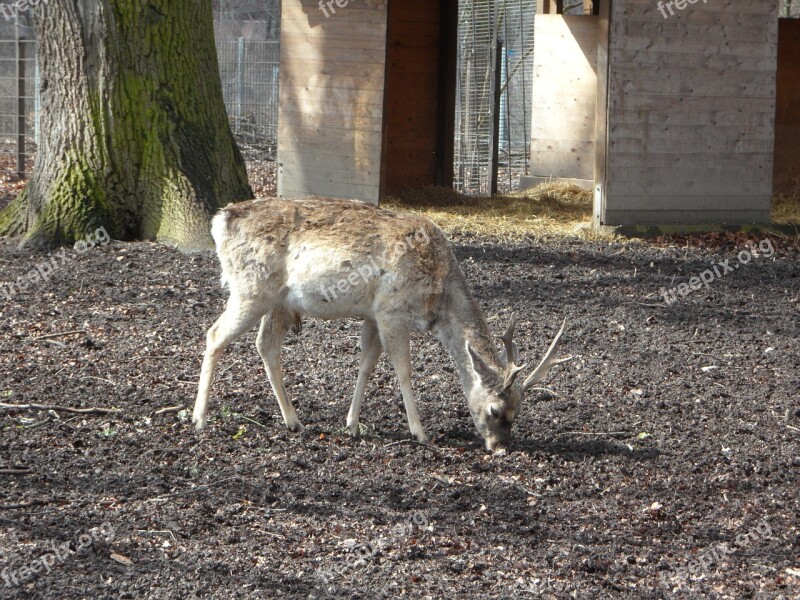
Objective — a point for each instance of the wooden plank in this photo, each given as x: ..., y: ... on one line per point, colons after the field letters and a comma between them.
x: 786, y: 173
x: 412, y: 102
x: 331, y: 99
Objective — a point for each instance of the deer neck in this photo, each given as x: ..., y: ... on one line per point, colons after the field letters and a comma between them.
x: 460, y: 321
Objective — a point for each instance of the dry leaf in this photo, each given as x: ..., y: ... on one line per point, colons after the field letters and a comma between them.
x: 123, y: 560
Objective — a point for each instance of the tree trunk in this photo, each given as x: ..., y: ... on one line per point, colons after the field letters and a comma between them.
x: 134, y: 134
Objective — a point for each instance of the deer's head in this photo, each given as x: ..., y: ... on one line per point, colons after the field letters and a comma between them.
x: 495, y: 398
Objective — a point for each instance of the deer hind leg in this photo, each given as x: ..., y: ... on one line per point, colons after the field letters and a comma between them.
x: 396, y: 341
x: 370, y: 353
x: 238, y: 317
x: 270, y: 339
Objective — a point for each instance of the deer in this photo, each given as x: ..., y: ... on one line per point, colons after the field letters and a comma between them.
x: 322, y: 258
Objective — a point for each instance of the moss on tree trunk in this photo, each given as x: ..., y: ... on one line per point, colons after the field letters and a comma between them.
x: 134, y: 134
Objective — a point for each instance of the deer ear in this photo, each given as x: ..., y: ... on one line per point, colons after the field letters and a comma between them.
x: 487, y: 375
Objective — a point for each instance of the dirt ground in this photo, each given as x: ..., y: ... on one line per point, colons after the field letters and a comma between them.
x: 666, y: 465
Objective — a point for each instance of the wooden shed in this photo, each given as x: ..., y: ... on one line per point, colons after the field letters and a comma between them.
x: 667, y: 110
x: 684, y: 129
x: 366, y: 99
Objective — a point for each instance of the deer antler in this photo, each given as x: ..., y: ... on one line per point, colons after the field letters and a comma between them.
x: 548, y: 362
x: 507, y: 338
x: 512, y: 370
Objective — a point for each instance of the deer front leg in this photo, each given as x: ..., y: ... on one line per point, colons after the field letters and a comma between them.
x: 396, y: 341
x: 370, y: 353
x: 270, y: 339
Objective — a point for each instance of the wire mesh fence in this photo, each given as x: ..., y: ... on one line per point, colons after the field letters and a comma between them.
x: 248, y: 48
x: 490, y: 111
x: 247, y: 34
x: 249, y: 73
x: 18, y: 98
x: 493, y: 113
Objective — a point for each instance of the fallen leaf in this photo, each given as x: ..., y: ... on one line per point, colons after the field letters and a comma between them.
x: 123, y: 560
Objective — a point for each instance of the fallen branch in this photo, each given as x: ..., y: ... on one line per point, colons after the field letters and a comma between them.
x: 69, y: 409
x: 55, y: 335
x: 16, y: 471
x: 169, y: 409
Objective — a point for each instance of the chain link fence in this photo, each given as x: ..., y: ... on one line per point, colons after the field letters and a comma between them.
x: 493, y: 93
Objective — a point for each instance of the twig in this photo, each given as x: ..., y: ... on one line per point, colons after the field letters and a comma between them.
x: 55, y: 335
x: 253, y: 421
x: 82, y: 411
x: 194, y: 489
x: 16, y: 471
x: 547, y: 390
x: 169, y: 409
x: 595, y: 433
x: 24, y: 504
x: 157, y: 531
x: 54, y: 343
x: 793, y: 427
x: 414, y: 443
x: 98, y: 378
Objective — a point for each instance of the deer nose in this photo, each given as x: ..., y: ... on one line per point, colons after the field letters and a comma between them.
x: 496, y: 446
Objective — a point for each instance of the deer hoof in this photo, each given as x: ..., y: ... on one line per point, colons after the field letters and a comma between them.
x: 296, y: 427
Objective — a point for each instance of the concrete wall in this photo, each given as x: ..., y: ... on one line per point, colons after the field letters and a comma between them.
x: 690, y: 113
x: 564, y: 99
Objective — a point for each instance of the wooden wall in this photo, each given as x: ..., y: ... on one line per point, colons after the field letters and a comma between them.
x: 412, y: 95
x: 331, y: 99
x: 690, y: 113
x: 786, y: 174
x: 564, y: 98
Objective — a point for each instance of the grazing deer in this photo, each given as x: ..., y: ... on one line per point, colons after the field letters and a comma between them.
x: 335, y: 259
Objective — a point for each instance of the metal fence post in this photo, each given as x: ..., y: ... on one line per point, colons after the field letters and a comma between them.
x: 20, y: 104
x: 239, y: 79
x: 497, y: 96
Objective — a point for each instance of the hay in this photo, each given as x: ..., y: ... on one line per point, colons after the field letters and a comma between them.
x: 786, y: 208
x: 548, y: 210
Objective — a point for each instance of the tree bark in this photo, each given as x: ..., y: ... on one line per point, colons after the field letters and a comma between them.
x: 134, y: 133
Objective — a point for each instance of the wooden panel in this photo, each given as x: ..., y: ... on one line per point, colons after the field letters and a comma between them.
x: 787, y: 118
x: 564, y: 96
x: 691, y: 102
x: 331, y: 99
x: 413, y: 97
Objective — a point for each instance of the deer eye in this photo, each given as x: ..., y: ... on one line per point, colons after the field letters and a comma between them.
x: 493, y: 410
